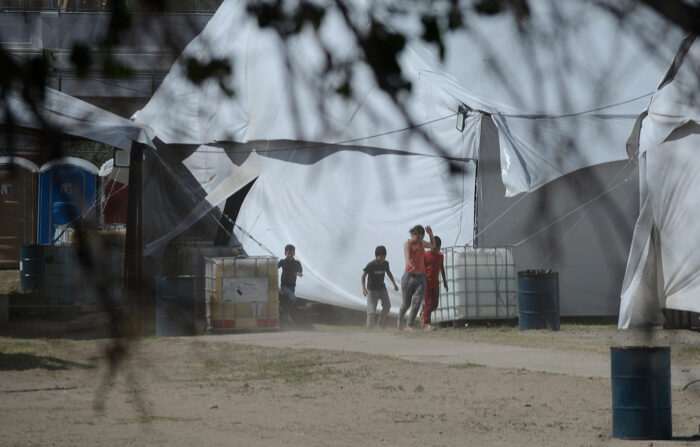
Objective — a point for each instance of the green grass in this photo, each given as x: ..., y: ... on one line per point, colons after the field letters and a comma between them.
x: 9, y: 281
x: 288, y: 365
x: 467, y: 365
x: 385, y: 387
x: 19, y: 346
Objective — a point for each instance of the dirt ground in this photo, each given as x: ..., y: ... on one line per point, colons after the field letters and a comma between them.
x: 239, y: 389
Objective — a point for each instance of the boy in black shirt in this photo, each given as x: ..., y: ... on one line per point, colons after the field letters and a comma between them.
x: 291, y: 268
x: 376, y: 290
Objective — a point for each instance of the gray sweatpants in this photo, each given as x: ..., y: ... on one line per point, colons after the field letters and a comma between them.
x: 373, y: 297
x: 412, y: 291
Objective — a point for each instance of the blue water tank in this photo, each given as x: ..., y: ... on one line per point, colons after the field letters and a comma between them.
x: 67, y: 191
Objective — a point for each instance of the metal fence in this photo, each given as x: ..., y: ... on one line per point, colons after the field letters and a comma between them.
x: 481, y: 283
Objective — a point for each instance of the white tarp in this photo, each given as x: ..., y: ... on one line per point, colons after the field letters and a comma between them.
x: 663, y: 270
x: 72, y: 116
x: 284, y: 103
x: 336, y: 217
x: 336, y: 208
x: 269, y: 103
x: 568, y: 57
x: 220, y: 178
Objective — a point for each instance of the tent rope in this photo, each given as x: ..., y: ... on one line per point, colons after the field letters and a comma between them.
x: 573, y: 227
x: 189, y: 193
x: 500, y: 216
x: 415, y: 126
x: 567, y: 115
x: 627, y: 179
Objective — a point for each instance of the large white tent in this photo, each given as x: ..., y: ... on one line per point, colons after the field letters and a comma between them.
x: 663, y: 270
x: 337, y: 176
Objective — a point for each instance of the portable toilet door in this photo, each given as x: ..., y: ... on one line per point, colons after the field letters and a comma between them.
x: 115, y: 193
x: 18, y: 199
x: 67, y: 189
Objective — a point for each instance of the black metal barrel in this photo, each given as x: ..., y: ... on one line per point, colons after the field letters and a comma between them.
x: 538, y: 300
x: 31, y: 267
x: 641, y: 392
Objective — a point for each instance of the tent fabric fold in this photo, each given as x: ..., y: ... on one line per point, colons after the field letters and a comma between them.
x: 74, y: 117
x: 663, y: 270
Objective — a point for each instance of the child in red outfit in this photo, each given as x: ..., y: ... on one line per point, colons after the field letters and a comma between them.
x: 434, y: 265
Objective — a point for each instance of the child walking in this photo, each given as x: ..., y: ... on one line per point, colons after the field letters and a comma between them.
x: 375, y: 289
x: 434, y: 266
x: 413, y: 281
x: 291, y: 268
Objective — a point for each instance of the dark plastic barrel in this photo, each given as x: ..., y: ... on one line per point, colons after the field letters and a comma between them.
x: 63, y: 281
x: 175, y: 306
x: 641, y: 392
x: 538, y: 300
x: 31, y: 267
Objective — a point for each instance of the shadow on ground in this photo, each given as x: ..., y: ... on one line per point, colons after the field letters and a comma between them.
x: 23, y: 362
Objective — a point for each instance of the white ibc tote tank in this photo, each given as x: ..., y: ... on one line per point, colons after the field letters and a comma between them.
x: 481, y: 284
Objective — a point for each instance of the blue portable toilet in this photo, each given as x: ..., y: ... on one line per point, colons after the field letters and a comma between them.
x: 67, y: 188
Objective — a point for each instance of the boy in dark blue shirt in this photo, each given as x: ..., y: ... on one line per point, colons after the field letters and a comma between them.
x: 291, y: 268
x: 376, y: 290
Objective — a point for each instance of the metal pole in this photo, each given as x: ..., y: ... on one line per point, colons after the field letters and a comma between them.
x: 495, y: 279
x: 133, y: 251
x: 475, y: 243
x: 476, y: 283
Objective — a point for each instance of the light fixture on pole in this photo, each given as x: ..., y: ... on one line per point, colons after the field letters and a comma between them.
x: 121, y: 158
x: 461, y: 117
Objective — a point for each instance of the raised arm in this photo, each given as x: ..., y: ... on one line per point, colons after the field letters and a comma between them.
x: 430, y: 244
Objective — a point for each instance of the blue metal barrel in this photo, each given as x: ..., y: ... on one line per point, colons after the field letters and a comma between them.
x: 175, y: 306
x: 31, y: 267
x: 538, y: 300
x: 641, y: 392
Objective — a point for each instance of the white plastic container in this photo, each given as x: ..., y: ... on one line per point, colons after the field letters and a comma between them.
x: 241, y: 293
x: 481, y: 284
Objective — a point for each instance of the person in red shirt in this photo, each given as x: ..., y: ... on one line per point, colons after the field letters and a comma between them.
x: 413, y: 280
x: 434, y: 266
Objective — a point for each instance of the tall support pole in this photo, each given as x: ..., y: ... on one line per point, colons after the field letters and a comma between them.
x: 134, y: 241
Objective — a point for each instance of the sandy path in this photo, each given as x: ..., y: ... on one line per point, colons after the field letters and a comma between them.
x: 318, y: 388
x: 446, y: 351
